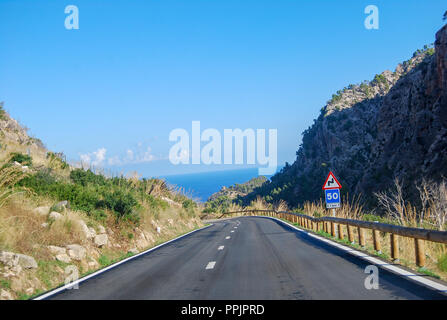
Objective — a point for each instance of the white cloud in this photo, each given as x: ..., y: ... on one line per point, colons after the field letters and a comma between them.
x: 95, y: 158
x: 130, y: 156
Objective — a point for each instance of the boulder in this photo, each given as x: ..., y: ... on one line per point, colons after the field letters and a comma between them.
x: 93, y: 264
x: 9, y: 259
x: 61, y: 206
x: 76, y: 252
x: 92, y: 231
x: 101, y: 240
x: 26, y: 262
x: 55, y: 215
x: 5, y: 295
x: 42, y: 211
x: 63, y: 257
x: 101, y: 229
x: 12, y: 259
x: 57, y: 250
x: 85, y: 230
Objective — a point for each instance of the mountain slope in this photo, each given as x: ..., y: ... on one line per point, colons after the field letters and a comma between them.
x: 368, y: 134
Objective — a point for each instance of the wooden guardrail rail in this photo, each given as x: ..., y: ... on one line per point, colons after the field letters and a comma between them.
x: 331, y: 224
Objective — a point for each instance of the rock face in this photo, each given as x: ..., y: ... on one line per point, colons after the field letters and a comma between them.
x: 13, y: 133
x: 368, y: 134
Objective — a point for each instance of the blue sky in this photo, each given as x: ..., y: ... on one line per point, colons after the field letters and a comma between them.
x: 135, y: 70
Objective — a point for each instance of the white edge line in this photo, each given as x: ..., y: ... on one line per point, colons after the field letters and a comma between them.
x: 380, y: 263
x: 71, y: 284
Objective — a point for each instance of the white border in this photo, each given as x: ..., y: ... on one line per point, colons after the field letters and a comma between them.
x: 77, y: 282
x: 439, y: 287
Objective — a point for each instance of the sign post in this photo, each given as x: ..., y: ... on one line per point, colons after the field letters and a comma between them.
x: 332, y: 192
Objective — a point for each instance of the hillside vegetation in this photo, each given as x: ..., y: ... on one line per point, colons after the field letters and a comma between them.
x: 54, y: 216
x: 228, y: 198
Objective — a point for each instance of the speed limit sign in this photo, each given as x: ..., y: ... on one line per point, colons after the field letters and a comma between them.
x: 332, y: 198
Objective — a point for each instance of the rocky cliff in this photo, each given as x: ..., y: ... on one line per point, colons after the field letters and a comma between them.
x: 15, y: 138
x: 368, y: 134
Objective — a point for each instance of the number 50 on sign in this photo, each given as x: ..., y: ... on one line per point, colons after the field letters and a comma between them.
x: 332, y: 198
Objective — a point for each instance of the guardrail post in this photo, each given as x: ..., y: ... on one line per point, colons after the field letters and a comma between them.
x: 361, y: 236
x: 332, y: 229
x: 420, y: 252
x: 394, y: 241
x: 376, y: 238
x: 340, y: 231
x: 350, y: 234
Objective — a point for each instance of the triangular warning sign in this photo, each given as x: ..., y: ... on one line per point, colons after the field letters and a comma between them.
x: 331, y: 182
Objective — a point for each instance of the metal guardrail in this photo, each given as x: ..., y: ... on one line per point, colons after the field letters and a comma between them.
x: 331, y: 224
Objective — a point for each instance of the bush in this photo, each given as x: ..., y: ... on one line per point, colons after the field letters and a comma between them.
x: 23, y: 159
x: 2, y: 112
x: 89, y: 193
x: 189, y: 206
x: 84, y: 178
x: 119, y: 202
x: 442, y: 263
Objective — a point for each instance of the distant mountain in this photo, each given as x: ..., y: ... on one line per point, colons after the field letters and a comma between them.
x: 239, y: 190
x: 368, y: 134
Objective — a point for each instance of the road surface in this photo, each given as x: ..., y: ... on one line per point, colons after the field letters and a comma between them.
x: 245, y: 258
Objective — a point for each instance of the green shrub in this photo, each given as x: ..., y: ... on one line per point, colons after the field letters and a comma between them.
x: 23, y: 159
x: 2, y: 112
x: 442, y: 262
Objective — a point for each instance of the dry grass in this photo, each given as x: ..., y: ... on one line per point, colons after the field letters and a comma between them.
x: 259, y: 204
x: 432, y: 215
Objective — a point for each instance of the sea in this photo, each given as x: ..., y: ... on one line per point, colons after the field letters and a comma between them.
x: 200, y: 186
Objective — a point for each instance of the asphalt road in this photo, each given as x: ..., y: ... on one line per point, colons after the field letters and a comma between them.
x: 260, y: 259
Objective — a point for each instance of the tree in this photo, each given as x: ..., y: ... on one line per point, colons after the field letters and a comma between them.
x: 444, y: 18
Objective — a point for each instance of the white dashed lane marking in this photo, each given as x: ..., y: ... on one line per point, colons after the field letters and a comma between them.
x: 232, y: 231
x: 221, y: 248
x: 210, y: 265
x: 228, y: 237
